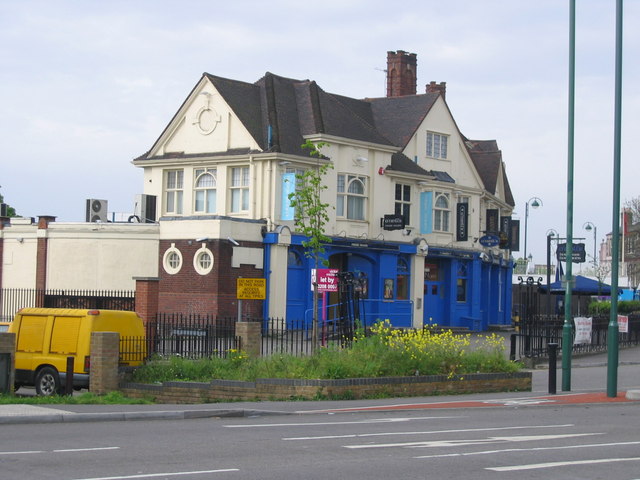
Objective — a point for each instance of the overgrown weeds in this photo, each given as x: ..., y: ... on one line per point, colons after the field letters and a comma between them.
x: 383, y: 353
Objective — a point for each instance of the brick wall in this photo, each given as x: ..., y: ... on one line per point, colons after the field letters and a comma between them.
x: 105, y: 353
x: 285, y: 389
x: 8, y: 345
x: 188, y: 292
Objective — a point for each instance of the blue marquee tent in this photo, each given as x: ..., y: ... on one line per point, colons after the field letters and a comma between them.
x: 582, y: 286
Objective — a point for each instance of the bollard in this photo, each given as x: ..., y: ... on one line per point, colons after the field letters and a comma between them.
x: 68, y: 389
x: 553, y: 359
x: 512, y: 352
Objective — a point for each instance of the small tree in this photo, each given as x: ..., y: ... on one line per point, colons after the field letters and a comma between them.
x: 311, y: 216
x: 11, y: 212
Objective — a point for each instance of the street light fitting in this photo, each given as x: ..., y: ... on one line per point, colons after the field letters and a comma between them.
x: 535, y: 202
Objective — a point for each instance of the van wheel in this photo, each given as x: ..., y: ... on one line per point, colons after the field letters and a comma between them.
x: 47, y: 382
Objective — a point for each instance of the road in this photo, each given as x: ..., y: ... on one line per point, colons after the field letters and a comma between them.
x: 515, y: 441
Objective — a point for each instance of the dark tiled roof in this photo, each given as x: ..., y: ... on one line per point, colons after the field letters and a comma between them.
x: 398, y: 118
x: 401, y: 163
x: 291, y: 109
x: 487, y: 158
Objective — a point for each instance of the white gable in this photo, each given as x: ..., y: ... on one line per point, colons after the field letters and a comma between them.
x: 457, y: 163
x: 204, y: 124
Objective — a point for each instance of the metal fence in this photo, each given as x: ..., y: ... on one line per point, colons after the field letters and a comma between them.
x: 191, y: 336
x: 13, y: 299
x: 535, y: 335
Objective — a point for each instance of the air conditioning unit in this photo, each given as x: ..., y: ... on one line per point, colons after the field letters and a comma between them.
x: 96, y: 210
x: 145, y: 208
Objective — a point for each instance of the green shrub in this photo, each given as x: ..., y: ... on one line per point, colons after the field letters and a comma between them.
x: 388, y: 352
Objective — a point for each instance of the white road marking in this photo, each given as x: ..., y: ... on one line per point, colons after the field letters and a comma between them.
x: 420, y: 405
x: 69, y: 450
x: 429, y: 432
x: 458, y: 443
x: 534, y: 466
x: 170, y: 474
x: 24, y: 452
x: 358, y: 422
x: 533, y: 449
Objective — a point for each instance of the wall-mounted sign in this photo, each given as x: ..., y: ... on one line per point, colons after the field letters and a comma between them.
x: 490, y: 240
x: 251, y: 288
x: 462, y: 230
x: 392, y: 222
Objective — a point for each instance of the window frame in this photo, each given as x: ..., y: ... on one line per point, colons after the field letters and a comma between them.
x: 207, y: 190
x: 402, y: 205
x: 172, y: 254
x: 239, y: 193
x: 174, y: 191
x: 441, y: 215
x: 348, y: 202
x: 437, y: 145
x: 198, y: 257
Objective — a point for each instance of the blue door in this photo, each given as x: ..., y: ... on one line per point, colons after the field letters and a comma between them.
x: 298, y: 288
x: 434, y: 294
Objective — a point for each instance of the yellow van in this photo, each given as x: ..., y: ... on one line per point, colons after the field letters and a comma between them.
x: 45, y: 337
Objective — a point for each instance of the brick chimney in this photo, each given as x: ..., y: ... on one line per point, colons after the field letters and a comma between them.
x: 401, y: 73
x: 433, y: 87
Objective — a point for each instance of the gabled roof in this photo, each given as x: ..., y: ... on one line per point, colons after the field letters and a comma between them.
x: 487, y: 158
x: 278, y: 112
x: 398, y: 118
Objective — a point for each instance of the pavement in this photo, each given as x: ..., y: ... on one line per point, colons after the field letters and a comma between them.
x: 587, y: 379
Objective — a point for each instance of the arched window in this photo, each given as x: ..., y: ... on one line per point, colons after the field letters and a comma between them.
x: 352, y: 196
x: 205, y: 190
x: 402, y: 279
x: 441, y: 212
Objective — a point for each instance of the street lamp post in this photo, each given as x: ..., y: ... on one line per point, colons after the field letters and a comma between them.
x: 551, y: 234
x: 535, y: 203
x: 588, y: 226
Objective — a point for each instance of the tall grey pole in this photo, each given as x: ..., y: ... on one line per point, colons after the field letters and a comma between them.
x: 613, y: 328
x: 567, y: 337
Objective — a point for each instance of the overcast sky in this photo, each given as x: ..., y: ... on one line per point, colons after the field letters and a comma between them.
x: 86, y: 86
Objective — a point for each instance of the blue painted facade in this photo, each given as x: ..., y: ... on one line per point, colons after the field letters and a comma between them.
x: 459, y: 288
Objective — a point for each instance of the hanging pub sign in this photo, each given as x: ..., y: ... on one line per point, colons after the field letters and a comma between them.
x: 392, y: 222
x: 462, y: 227
x: 505, y: 232
x: 514, y: 236
x: 493, y: 216
x: 490, y: 240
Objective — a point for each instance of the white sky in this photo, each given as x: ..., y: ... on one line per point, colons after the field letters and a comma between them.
x: 86, y: 86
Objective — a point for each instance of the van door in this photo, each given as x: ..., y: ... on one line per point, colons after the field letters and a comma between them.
x: 30, y: 340
x: 64, y: 336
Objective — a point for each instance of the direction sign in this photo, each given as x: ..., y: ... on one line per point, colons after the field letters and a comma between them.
x: 578, y: 254
x: 251, y: 288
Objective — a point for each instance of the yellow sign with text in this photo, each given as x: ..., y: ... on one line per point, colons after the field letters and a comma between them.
x: 251, y: 288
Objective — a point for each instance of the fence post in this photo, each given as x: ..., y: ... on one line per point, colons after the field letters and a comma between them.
x: 553, y: 357
x: 250, y: 334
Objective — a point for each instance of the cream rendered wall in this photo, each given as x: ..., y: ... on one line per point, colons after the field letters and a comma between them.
x: 19, y: 255
x: 206, y: 124
x: 100, y: 256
